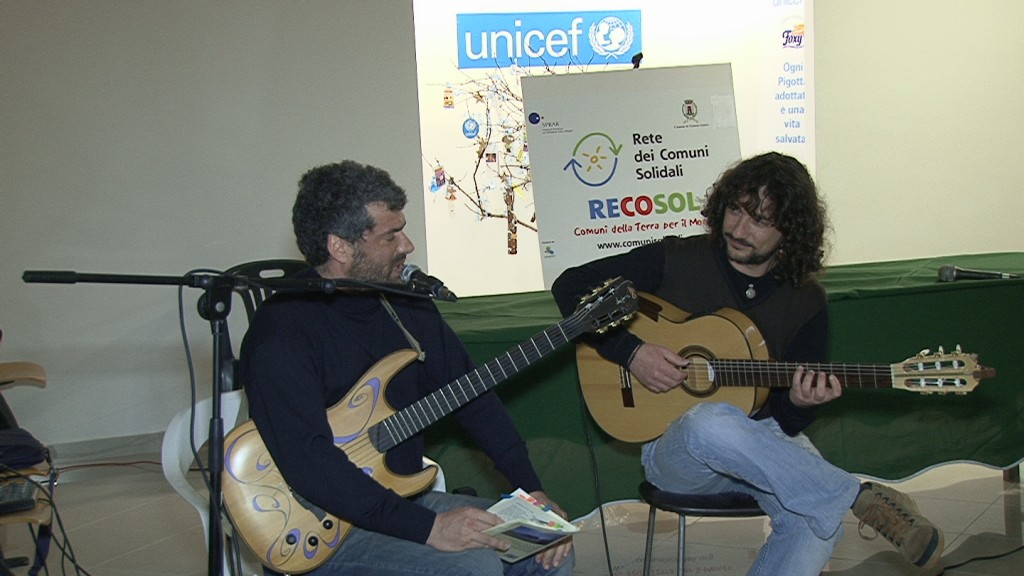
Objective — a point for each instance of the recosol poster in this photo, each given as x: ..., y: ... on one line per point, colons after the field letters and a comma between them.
x: 624, y: 158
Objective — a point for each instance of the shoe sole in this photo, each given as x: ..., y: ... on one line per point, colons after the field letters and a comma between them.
x: 934, y: 552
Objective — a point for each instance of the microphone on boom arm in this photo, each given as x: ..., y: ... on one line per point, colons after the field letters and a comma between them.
x: 422, y: 283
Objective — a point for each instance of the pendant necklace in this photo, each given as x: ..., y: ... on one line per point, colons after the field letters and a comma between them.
x: 750, y: 293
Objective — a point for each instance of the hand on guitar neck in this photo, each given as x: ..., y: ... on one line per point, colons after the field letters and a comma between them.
x: 812, y: 388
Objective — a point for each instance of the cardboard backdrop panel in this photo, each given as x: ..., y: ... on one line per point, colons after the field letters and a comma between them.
x: 628, y: 160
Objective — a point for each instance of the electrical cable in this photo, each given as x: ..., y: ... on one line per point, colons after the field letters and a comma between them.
x: 597, y: 479
x: 976, y: 558
x: 45, y: 495
x: 189, y: 361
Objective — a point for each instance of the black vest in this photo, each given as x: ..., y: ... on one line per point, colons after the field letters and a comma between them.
x: 697, y: 281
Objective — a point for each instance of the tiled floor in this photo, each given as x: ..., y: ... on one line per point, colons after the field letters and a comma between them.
x: 125, y: 520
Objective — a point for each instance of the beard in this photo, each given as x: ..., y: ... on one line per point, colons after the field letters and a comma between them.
x: 367, y: 269
x: 754, y: 257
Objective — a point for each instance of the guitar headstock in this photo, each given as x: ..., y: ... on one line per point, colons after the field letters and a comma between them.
x: 607, y: 305
x: 940, y: 373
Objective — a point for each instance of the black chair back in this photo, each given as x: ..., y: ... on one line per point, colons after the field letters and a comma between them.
x: 253, y: 296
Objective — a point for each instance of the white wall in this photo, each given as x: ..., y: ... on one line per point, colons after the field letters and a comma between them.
x: 158, y: 137
x: 920, y: 126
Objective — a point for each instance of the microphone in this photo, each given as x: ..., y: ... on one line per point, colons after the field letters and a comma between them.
x: 949, y: 273
x: 421, y: 283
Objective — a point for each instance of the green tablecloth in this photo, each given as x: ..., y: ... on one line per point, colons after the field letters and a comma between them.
x: 880, y: 313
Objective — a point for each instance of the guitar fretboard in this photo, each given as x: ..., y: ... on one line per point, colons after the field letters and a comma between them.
x: 761, y: 373
x: 400, y: 426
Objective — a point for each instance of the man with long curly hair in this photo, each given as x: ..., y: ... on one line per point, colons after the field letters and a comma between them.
x: 765, y: 243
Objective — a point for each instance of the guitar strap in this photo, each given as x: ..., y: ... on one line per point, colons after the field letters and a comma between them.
x: 421, y: 355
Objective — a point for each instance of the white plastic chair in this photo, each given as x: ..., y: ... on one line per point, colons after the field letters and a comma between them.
x: 177, y: 458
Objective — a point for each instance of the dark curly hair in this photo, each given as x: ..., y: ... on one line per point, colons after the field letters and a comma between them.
x: 796, y: 210
x: 332, y: 199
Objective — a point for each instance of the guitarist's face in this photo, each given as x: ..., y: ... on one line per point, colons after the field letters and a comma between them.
x: 380, y: 255
x: 751, y: 238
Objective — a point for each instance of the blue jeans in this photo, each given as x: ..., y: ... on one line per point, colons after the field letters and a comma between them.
x: 369, y: 553
x: 715, y: 447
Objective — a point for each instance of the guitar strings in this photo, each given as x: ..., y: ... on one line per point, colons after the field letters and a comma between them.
x: 747, y: 372
x: 404, y: 423
x: 779, y: 374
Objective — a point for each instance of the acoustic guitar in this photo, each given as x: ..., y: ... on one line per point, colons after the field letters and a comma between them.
x: 729, y: 363
x: 290, y: 534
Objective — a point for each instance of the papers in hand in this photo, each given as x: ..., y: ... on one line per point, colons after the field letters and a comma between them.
x: 528, y: 526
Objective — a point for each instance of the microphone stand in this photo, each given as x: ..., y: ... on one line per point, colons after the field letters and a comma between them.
x: 214, y: 306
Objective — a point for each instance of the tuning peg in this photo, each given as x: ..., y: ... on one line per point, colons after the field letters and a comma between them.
x: 924, y: 353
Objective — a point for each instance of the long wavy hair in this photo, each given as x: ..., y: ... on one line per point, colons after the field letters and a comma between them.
x: 796, y: 210
x: 332, y: 199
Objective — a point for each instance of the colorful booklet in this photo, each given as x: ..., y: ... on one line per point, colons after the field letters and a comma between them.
x: 528, y: 526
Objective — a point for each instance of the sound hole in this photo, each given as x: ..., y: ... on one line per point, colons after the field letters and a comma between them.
x: 700, y: 375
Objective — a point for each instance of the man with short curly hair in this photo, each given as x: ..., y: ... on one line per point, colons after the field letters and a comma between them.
x: 304, y: 353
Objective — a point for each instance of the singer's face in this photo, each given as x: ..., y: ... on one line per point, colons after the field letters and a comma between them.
x: 380, y: 255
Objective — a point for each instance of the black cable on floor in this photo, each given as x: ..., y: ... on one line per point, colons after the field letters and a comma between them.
x: 976, y: 558
x: 597, y: 478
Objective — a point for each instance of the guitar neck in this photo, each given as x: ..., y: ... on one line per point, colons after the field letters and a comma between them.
x: 761, y: 373
x: 409, y: 421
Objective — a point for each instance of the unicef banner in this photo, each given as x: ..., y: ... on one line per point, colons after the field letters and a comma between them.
x: 628, y: 160
x: 484, y: 225
x: 548, y: 39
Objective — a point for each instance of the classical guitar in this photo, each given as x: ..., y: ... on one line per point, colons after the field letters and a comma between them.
x: 729, y: 363
x: 290, y: 534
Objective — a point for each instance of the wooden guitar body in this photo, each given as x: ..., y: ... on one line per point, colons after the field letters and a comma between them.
x: 627, y: 410
x: 290, y: 535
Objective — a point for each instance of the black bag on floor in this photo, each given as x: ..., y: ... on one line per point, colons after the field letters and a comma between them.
x: 20, y: 449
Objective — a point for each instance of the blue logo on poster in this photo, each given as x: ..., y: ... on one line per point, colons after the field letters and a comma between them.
x: 548, y: 38
x: 470, y: 128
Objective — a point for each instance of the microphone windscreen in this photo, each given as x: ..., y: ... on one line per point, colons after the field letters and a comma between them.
x: 947, y: 273
x: 408, y: 271
x: 50, y: 276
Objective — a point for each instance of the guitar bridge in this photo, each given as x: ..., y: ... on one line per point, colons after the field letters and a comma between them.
x: 626, y: 387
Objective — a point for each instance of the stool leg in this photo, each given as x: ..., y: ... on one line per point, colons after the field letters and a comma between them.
x: 650, y: 541
x: 682, y: 546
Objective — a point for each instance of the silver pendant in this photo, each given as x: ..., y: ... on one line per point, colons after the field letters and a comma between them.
x: 750, y: 293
